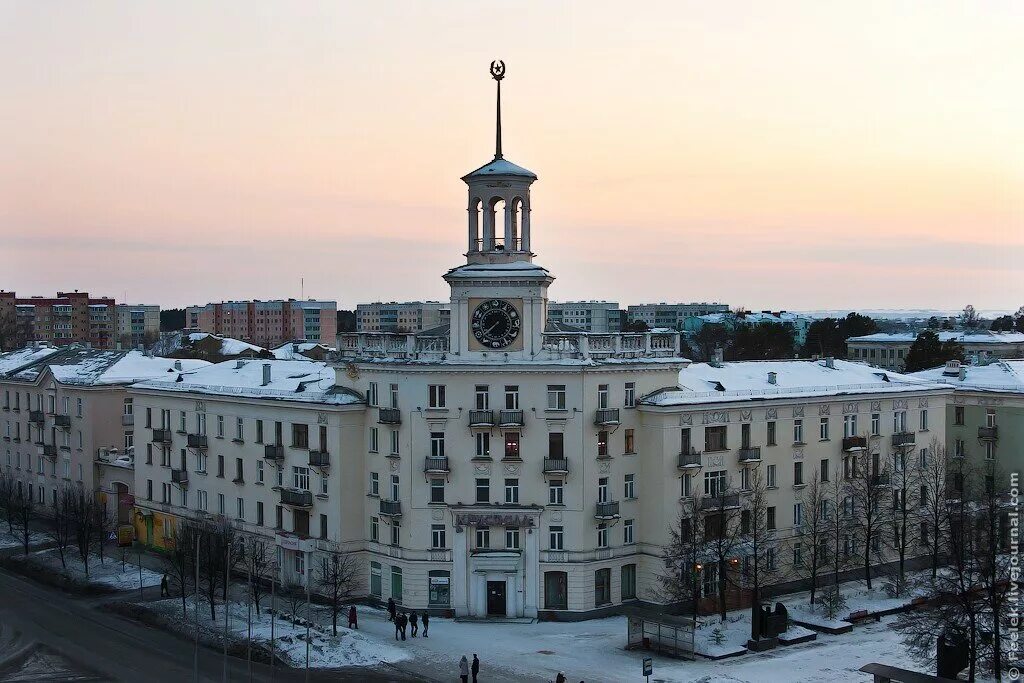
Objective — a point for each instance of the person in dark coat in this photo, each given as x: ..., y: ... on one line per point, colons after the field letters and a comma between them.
x: 560, y: 678
x: 476, y: 667
x: 464, y: 669
x: 426, y: 623
x: 403, y: 621
x: 391, y: 609
x: 413, y: 623
x: 398, y: 626
x: 352, y: 623
x: 165, y: 592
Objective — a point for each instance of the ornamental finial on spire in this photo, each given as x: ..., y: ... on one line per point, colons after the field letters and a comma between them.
x: 498, y: 73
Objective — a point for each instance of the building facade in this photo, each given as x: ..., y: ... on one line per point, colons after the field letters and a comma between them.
x: 671, y: 316
x: 267, y: 323
x: 404, y: 316
x: 889, y: 350
x: 590, y: 316
x: 138, y: 325
x: 68, y: 318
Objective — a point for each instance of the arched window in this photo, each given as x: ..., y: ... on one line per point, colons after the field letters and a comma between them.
x: 516, y: 228
x: 476, y: 237
x: 496, y: 220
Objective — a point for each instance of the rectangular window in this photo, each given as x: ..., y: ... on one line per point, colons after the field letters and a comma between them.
x: 437, y: 537
x: 395, y: 487
x: 876, y: 424
x: 686, y: 486
x: 556, y: 397
x: 602, y: 443
x: 375, y: 580
x: 240, y: 429
x: 483, y: 444
x: 629, y: 486
x: 798, y: 514
x: 745, y: 477
x: 511, y: 397
x: 602, y: 586
x: 798, y: 431
x: 300, y: 477
x: 555, y: 445
x: 259, y: 471
x: 555, y: 537
x: 627, y: 532
x: 715, y: 483
x: 238, y: 470
x: 770, y: 477
x: 823, y: 429
x: 259, y: 513
x: 958, y: 415
x: 259, y: 431
x: 374, y: 440
x: 685, y: 444
x: 630, y: 399
x: 394, y: 442
x: 602, y: 490
x: 220, y: 504
x: 899, y: 421
x: 628, y: 442
x: 482, y: 397
x: 437, y: 444
x: 990, y: 417
x: 628, y: 582
x: 483, y: 490
x: 849, y: 425
x: 715, y: 439
x: 436, y: 396
x: 372, y: 398
x: 924, y: 420
x: 602, y: 396
x: 220, y: 426
x: 745, y: 435
x: 240, y: 502
x: 396, y: 532
x: 555, y: 492
x: 375, y: 529
x: 483, y: 537
x: 798, y: 473
x: 323, y: 526
x: 220, y: 466
x: 602, y: 535
x: 393, y: 392
x: 300, y: 436
x: 374, y: 484
x: 511, y: 490
x: 512, y: 445
x: 770, y: 517
x: 437, y: 490
x: 512, y: 538
x: 770, y: 439
x: 824, y: 469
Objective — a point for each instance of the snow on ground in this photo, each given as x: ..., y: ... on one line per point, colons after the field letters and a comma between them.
x: 857, y: 596
x: 109, y: 573
x: 8, y: 540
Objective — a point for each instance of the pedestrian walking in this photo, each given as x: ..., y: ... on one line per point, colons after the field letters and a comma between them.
x: 560, y: 678
x: 352, y: 618
x: 398, y: 627
x: 476, y: 667
x: 464, y: 669
x: 403, y: 622
x: 426, y: 623
x: 165, y: 592
x: 391, y: 609
x: 412, y: 624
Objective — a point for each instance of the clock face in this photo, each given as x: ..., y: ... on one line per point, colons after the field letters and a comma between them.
x: 496, y: 323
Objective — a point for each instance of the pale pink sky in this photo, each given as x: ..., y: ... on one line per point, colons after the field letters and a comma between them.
x: 768, y: 154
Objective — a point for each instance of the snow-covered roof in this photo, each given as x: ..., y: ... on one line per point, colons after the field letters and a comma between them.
x: 980, y: 337
x: 501, y: 167
x: 1001, y: 376
x: 515, y: 269
x: 295, y: 350
x: 749, y: 381
x: 290, y: 380
x: 228, y: 345
x: 78, y: 365
x: 12, y: 361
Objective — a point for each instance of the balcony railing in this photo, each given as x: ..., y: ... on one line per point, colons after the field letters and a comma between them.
x: 481, y: 418
x: 855, y: 443
x: 881, y: 479
x: 62, y: 421
x: 725, y: 500
x: 903, y: 439
x: 127, y: 420
x: 689, y: 459
x: 162, y: 436
x: 36, y: 416
x: 606, y: 416
x: 273, y: 452
x: 510, y: 418
x: 435, y: 465
x: 391, y: 508
x: 180, y: 477
x: 389, y: 416
x: 750, y: 454
x: 296, y: 498
x: 197, y: 441
x: 47, y: 450
x: 607, y: 510
x: 319, y: 459
x: 556, y: 466
x: 988, y: 433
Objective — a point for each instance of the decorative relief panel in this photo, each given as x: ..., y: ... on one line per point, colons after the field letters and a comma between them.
x: 959, y: 400
x: 511, y: 469
x: 798, y: 411
x: 715, y: 460
x: 715, y: 417
x: 899, y: 404
x: 482, y: 468
x: 922, y: 403
x: 686, y: 419
x: 556, y: 516
x: 321, y: 418
x: 798, y: 454
x: 200, y: 406
x: 851, y: 408
x: 394, y: 465
x: 824, y: 410
x: 604, y: 467
x: 437, y: 514
x: 876, y: 406
x: 771, y: 413
x: 990, y: 401
x: 746, y: 415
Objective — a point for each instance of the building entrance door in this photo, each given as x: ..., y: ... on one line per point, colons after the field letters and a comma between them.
x: 496, y: 599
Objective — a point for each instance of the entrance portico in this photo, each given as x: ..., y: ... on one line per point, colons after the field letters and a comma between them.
x: 495, y: 579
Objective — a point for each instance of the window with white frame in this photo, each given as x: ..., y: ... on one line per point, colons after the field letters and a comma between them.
x: 798, y: 431
x: 924, y: 420
x: 770, y: 476
x: 555, y: 492
x: 395, y: 487
x: 511, y: 397
x: 372, y: 399
x: 629, y: 486
x: 602, y: 490
x: 715, y: 483
x: 438, y: 540
x: 602, y: 535
x: 512, y: 538
x: 436, y: 396
x: 555, y: 537
x: 899, y: 421
x: 602, y: 396
x: 556, y: 397
x: 823, y: 429
x: 483, y: 537
x: 876, y: 424
x: 482, y: 397
x: 849, y: 425
x: 437, y: 444
x: 627, y: 532
x: 630, y: 400
x: 374, y: 440
x: 798, y: 514
x: 300, y: 477
x: 511, y: 490
x: 375, y: 529
x: 394, y: 442
x: 686, y: 486
x: 374, y: 484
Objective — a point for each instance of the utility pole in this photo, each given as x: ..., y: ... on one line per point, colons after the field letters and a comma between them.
x: 140, y: 575
x: 308, y: 605
x: 195, y: 661
x: 248, y: 604
x: 273, y: 614
x: 227, y: 604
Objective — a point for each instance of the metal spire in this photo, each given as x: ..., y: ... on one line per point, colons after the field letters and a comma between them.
x: 498, y: 73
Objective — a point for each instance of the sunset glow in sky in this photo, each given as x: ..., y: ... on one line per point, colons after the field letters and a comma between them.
x: 768, y: 154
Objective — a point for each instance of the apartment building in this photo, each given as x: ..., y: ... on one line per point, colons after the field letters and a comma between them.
x: 68, y: 318
x: 796, y: 323
x: 590, y: 316
x: 405, y: 316
x: 67, y: 418
x: 985, y: 419
x: 888, y: 351
x: 138, y: 325
x: 267, y: 323
x: 671, y: 316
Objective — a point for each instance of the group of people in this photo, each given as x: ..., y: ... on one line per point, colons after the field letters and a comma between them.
x: 465, y: 668
x: 411, y: 621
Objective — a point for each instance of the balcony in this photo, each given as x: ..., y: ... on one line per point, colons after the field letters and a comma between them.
x: 556, y: 466
x: 903, y: 439
x: 390, y: 508
x: 720, y: 502
x: 62, y: 421
x: 319, y: 459
x: 855, y: 443
x: 510, y: 418
x: 162, y: 436
x: 297, y: 498
x: 881, y: 479
x: 750, y: 454
x: 389, y: 416
x: 607, y: 510
x: 435, y: 465
x: 36, y: 416
x: 689, y: 460
x: 127, y: 420
x: 197, y: 441
x: 988, y: 433
x: 273, y: 452
x: 47, y: 450
x: 606, y: 417
x: 179, y: 477
x: 481, y: 418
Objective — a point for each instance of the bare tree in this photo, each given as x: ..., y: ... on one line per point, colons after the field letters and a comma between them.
x: 905, y: 476
x: 932, y: 496
x: 336, y: 574
x: 294, y: 594
x: 684, y: 557
x: 86, y: 515
x: 106, y: 526
x: 25, y: 512
x: 757, y: 536
x: 214, y: 548
x: 260, y: 562
x: 993, y: 545
x: 818, y: 513
x: 721, y: 539
x: 180, y: 559
x: 8, y: 498
x: 868, y: 495
x: 61, y: 528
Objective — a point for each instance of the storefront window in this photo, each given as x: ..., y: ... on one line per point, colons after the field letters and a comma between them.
x: 440, y: 589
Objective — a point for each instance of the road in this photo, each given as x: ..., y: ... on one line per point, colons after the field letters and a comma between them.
x: 90, y: 644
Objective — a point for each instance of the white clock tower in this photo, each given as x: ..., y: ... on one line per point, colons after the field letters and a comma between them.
x: 500, y: 297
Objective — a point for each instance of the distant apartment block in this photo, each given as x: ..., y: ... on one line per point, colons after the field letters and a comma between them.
x: 796, y: 323
x: 267, y: 323
x: 591, y: 316
x: 137, y: 325
x: 402, y: 316
x: 672, y: 315
x: 889, y: 350
x: 67, y: 318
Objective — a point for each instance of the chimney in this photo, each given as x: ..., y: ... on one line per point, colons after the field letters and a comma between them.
x: 177, y: 365
x: 719, y: 355
x: 830, y: 363
x: 773, y: 378
x: 963, y: 373
x: 239, y: 364
x: 266, y: 374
